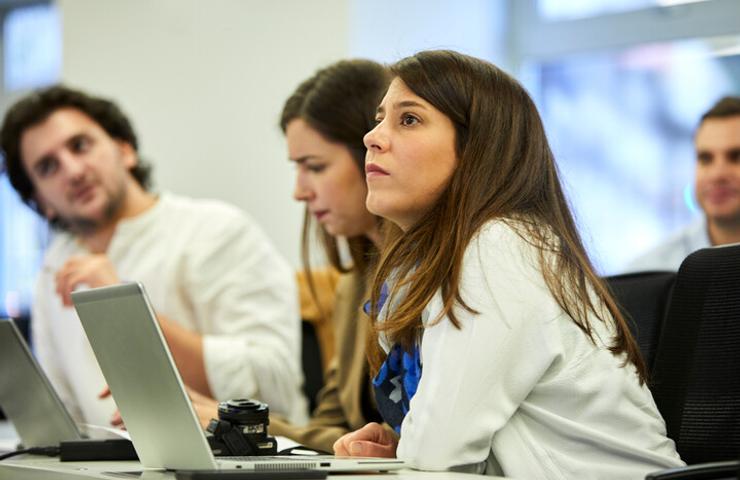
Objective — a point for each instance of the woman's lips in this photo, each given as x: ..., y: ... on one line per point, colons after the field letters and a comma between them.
x: 319, y: 214
x: 373, y: 170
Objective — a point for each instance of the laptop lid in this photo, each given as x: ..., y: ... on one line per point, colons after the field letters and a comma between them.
x: 123, y: 331
x: 26, y: 395
x: 130, y: 348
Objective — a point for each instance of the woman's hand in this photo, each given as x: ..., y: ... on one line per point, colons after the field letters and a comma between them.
x: 372, y: 440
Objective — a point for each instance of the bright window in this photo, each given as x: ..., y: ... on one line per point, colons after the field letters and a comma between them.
x: 572, y: 9
x: 32, y: 47
x: 621, y: 124
x: 32, y: 58
x: 22, y: 240
x: 621, y: 86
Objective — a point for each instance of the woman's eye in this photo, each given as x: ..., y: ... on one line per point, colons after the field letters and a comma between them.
x: 408, y: 120
x: 316, y: 168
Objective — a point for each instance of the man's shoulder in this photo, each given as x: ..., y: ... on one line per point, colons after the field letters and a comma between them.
x: 201, y: 208
x: 669, y: 254
x: 61, y: 246
x: 210, y: 221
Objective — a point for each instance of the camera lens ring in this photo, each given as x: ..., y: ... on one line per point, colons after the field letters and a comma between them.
x: 244, y: 411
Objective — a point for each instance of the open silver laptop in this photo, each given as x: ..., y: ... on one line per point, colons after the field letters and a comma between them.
x: 133, y: 355
x: 27, y: 397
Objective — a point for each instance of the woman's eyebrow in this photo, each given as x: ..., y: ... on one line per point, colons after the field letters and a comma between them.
x: 402, y: 104
x: 303, y: 158
x: 408, y: 103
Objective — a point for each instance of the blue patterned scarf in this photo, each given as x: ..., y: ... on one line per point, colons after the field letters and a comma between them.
x: 398, y: 378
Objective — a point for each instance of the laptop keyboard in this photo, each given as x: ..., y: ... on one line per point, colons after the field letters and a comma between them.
x: 274, y: 458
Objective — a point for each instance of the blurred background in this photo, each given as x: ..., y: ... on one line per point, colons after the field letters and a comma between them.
x: 620, y: 85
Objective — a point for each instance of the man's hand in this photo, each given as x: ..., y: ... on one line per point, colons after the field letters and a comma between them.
x: 372, y: 440
x: 92, y: 270
x: 205, y: 407
x: 116, y: 420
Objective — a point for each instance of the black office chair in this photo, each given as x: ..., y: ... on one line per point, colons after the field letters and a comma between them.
x: 313, y: 372
x: 696, y: 373
x: 704, y: 471
x: 643, y: 298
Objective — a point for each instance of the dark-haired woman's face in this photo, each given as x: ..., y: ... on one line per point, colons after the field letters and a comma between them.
x: 410, y: 156
x: 329, y: 182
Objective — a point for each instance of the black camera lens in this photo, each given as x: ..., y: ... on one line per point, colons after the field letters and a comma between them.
x: 241, y: 429
x: 244, y: 410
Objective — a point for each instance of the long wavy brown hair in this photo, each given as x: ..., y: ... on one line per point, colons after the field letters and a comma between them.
x: 339, y: 102
x: 505, y: 170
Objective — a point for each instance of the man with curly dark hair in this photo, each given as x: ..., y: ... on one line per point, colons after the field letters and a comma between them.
x: 225, y: 299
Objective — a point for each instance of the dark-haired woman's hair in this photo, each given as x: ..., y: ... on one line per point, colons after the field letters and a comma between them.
x: 505, y: 170
x: 339, y: 102
x: 37, y: 107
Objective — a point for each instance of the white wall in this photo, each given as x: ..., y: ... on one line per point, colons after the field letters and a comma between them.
x: 204, y: 83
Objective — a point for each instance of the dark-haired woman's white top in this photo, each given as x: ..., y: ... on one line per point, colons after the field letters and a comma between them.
x: 520, y: 390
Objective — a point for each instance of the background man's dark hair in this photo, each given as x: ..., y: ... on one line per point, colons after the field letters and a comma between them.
x: 37, y: 107
x: 725, y: 107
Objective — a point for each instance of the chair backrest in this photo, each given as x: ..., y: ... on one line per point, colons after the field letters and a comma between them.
x: 643, y: 298
x: 729, y: 470
x: 696, y: 373
x: 313, y: 372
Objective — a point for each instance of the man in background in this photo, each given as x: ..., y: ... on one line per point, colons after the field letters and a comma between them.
x: 225, y: 299
x: 717, y: 185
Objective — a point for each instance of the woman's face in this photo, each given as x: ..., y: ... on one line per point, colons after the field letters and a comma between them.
x: 410, y: 156
x: 329, y: 182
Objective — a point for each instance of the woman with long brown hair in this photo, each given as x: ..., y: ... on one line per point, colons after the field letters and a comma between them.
x: 496, y: 347
x: 324, y: 122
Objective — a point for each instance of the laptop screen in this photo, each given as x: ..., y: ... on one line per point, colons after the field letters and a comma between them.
x: 27, y: 397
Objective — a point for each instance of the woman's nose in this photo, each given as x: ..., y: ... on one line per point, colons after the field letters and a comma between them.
x: 376, y: 140
x: 302, y: 192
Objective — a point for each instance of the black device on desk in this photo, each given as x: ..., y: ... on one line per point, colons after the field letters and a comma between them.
x: 247, y: 475
x: 86, y: 450
x: 241, y: 429
x: 36, y: 411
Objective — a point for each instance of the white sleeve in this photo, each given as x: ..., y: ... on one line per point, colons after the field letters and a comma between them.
x: 44, y: 348
x: 247, y: 293
x: 474, y: 378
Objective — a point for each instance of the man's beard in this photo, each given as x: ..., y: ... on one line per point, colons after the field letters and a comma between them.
x: 83, y: 226
x: 726, y: 222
